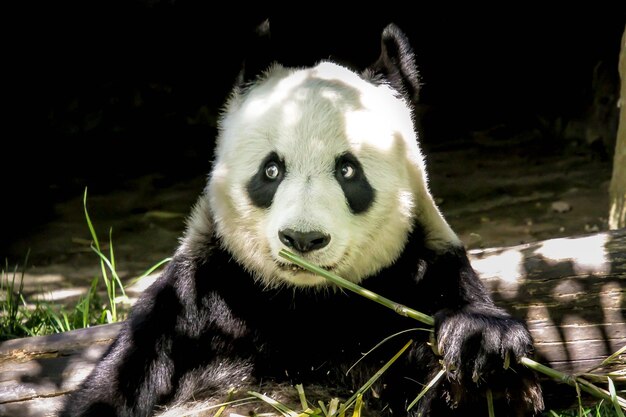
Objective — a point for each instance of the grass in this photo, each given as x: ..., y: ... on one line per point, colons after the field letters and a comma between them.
x: 353, y: 407
x: 601, y: 409
x: 19, y: 318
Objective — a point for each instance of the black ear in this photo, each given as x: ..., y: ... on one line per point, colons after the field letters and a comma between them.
x: 258, y: 55
x: 396, y: 63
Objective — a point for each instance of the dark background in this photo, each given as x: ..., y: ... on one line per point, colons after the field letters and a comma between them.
x: 102, y: 91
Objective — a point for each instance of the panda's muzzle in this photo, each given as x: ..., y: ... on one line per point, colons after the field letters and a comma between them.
x: 303, y: 242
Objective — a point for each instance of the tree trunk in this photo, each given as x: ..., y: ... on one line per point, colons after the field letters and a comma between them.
x: 570, y: 291
x: 617, y: 194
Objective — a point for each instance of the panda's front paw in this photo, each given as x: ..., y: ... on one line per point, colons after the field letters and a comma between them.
x: 475, y: 345
x: 481, y: 351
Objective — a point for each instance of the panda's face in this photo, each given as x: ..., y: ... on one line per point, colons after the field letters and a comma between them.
x: 322, y: 163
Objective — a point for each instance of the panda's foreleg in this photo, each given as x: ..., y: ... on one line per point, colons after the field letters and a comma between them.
x: 480, y: 343
x: 170, y: 347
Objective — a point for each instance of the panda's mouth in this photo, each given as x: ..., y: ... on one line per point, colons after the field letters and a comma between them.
x: 293, y: 268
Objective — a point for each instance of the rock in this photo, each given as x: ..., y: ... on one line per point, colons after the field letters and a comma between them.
x: 561, y: 206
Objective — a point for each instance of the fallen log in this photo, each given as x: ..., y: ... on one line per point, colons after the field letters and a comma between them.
x: 572, y: 294
x: 570, y: 291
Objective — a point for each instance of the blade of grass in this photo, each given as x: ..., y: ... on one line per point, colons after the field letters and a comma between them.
x: 55, y: 321
x: 88, y: 299
x: 111, y: 316
x: 150, y: 270
x: 280, y: 407
x: 229, y: 398
x: 428, y: 386
x: 332, y: 406
x: 358, y: 406
x: 613, y: 358
x: 21, y: 290
x: 614, y: 401
x: 94, y: 236
x: 380, y: 343
x: 302, y: 396
x: 14, y: 308
x: 375, y: 377
x: 311, y: 412
x: 111, y: 294
x: 342, y: 410
x: 614, y: 355
x: 10, y: 299
x: 110, y: 284
x: 490, y: 403
x: 323, y: 408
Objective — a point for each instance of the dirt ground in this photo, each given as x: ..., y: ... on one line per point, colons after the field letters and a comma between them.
x: 493, y: 192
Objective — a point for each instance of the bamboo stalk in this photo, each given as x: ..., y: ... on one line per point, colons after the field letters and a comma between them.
x: 571, y: 380
x: 344, y: 283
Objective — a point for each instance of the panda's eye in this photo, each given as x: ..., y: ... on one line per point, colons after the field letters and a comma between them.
x: 272, y: 170
x: 351, y: 177
x: 264, y: 183
x: 347, y: 170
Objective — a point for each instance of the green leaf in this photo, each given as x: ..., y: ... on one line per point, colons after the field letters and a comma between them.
x: 613, y: 392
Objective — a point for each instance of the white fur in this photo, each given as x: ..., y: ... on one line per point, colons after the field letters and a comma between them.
x: 309, y: 117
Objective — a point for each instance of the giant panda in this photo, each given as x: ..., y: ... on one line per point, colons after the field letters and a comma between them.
x: 323, y: 161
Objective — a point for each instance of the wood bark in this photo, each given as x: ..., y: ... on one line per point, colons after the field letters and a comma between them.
x: 570, y: 291
x: 617, y: 193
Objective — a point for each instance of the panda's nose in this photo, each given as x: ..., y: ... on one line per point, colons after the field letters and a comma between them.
x: 303, y: 241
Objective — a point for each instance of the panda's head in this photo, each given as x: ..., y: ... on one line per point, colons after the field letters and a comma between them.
x: 325, y: 162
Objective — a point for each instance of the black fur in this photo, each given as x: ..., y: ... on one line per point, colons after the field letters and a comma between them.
x: 261, y: 189
x: 207, y: 311
x: 396, y: 64
x: 358, y: 191
x: 206, y: 325
x: 259, y: 54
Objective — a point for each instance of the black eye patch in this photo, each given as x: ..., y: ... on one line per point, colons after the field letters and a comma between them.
x: 358, y: 191
x: 263, y: 185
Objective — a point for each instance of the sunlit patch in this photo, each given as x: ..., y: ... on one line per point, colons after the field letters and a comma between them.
x: 580, y: 336
x: 79, y: 366
x: 45, y: 287
x: 506, y: 267
x: 611, y: 299
x: 586, y: 254
x: 611, y: 302
x: 59, y: 295
x: 142, y: 284
x: 259, y: 104
x: 546, y: 332
x: 331, y: 95
x: 367, y: 129
x: 406, y: 203
x: 568, y: 290
x: 291, y: 113
x: 34, y: 279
